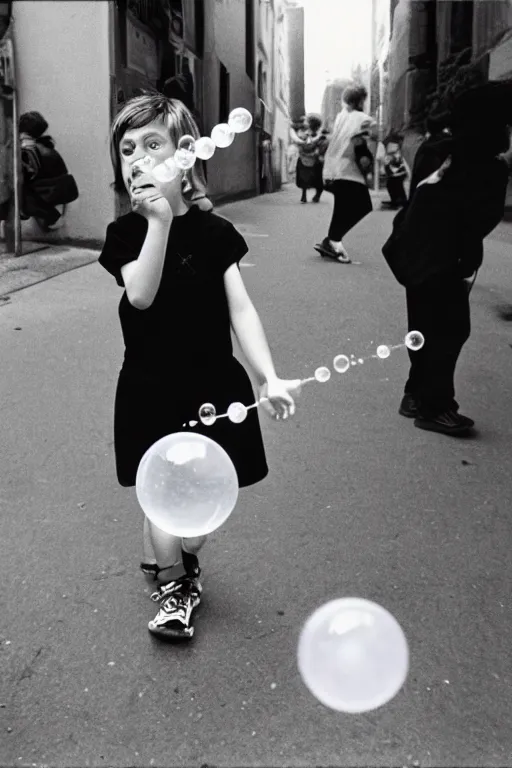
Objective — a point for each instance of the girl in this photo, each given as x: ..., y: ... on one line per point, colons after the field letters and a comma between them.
x: 183, y: 291
x: 342, y: 173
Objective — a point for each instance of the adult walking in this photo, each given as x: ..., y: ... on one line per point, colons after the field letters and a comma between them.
x: 343, y: 173
x: 312, y: 144
x: 436, y: 246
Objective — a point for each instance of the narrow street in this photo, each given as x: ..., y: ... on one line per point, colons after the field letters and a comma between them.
x: 358, y: 503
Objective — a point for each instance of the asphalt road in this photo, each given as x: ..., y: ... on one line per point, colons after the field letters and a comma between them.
x: 358, y: 502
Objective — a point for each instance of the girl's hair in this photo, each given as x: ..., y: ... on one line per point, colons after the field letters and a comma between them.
x: 32, y: 123
x: 353, y: 95
x: 148, y: 108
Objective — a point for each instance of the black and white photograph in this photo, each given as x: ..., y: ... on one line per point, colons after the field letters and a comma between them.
x: 256, y: 383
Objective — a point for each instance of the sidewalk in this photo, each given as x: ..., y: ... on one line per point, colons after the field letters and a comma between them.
x: 53, y: 260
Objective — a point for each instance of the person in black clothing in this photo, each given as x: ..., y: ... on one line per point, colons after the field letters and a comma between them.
x: 46, y: 181
x: 396, y: 174
x: 457, y: 198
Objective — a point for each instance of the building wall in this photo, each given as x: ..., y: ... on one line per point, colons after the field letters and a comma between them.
x: 296, y: 60
x: 232, y: 170
x: 62, y: 57
x: 281, y: 95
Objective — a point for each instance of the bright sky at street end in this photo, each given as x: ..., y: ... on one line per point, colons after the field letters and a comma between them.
x: 337, y: 37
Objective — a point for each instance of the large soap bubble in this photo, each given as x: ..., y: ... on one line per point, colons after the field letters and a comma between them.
x: 240, y: 120
x: 185, y: 155
x: 353, y: 655
x: 186, y: 484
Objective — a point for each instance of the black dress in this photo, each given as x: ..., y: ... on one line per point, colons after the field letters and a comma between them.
x: 178, y: 353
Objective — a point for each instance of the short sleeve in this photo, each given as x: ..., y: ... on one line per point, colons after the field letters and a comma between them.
x: 117, y: 252
x: 230, y: 246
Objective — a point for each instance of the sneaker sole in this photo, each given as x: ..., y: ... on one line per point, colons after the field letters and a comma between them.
x: 408, y: 414
x: 428, y: 426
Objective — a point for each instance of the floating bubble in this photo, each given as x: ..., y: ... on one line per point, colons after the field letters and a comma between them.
x: 166, y: 171
x: 237, y: 412
x: 414, y: 340
x: 353, y: 655
x: 360, y: 361
x: 185, y: 155
x: 383, y: 351
x: 187, y: 144
x: 222, y: 135
x: 341, y: 363
x: 207, y: 414
x: 205, y: 148
x: 186, y: 484
x: 353, y: 362
x: 322, y: 374
x: 240, y: 120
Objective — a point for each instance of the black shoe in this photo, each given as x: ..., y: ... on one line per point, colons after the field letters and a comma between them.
x: 316, y: 199
x: 326, y: 250
x: 408, y: 406
x: 447, y: 423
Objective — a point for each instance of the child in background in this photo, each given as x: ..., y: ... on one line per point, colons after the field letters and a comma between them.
x: 397, y: 173
x: 183, y: 292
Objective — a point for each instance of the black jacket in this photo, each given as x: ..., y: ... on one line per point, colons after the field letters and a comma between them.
x: 440, y: 232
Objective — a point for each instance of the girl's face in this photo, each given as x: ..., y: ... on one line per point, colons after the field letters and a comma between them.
x: 151, y: 141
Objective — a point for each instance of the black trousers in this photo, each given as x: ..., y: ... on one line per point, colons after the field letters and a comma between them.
x: 396, y: 191
x: 440, y: 310
x: 352, y: 202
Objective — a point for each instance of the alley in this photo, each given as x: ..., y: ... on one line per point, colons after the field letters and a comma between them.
x: 358, y: 503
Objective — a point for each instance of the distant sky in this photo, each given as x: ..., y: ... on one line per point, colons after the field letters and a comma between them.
x: 337, y: 36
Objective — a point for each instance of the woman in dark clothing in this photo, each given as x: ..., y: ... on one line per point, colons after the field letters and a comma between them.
x: 46, y: 181
x: 457, y: 198
x: 312, y: 147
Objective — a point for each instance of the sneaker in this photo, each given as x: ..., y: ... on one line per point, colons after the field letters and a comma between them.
x: 408, y: 406
x: 177, y: 601
x: 447, y: 423
x: 326, y: 250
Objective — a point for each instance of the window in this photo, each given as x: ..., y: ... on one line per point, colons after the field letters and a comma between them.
x: 224, y: 96
x: 249, y: 38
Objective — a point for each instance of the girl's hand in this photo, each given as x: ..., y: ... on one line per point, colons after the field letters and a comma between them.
x: 150, y: 203
x: 280, y: 403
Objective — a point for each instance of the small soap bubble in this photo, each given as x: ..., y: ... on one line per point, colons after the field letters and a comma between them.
x: 414, y: 340
x: 237, y: 412
x: 185, y: 155
x: 383, y: 351
x: 205, y: 148
x: 360, y: 361
x: 166, y: 171
x: 353, y: 362
x: 322, y: 374
x: 341, y: 363
x: 208, y: 414
x: 240, y: 120
x: 222, y: 135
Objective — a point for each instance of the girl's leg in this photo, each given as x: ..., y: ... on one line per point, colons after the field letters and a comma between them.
x: 168, y: 554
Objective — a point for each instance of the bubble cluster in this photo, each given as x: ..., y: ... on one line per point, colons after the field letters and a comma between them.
x: 237, y: 412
